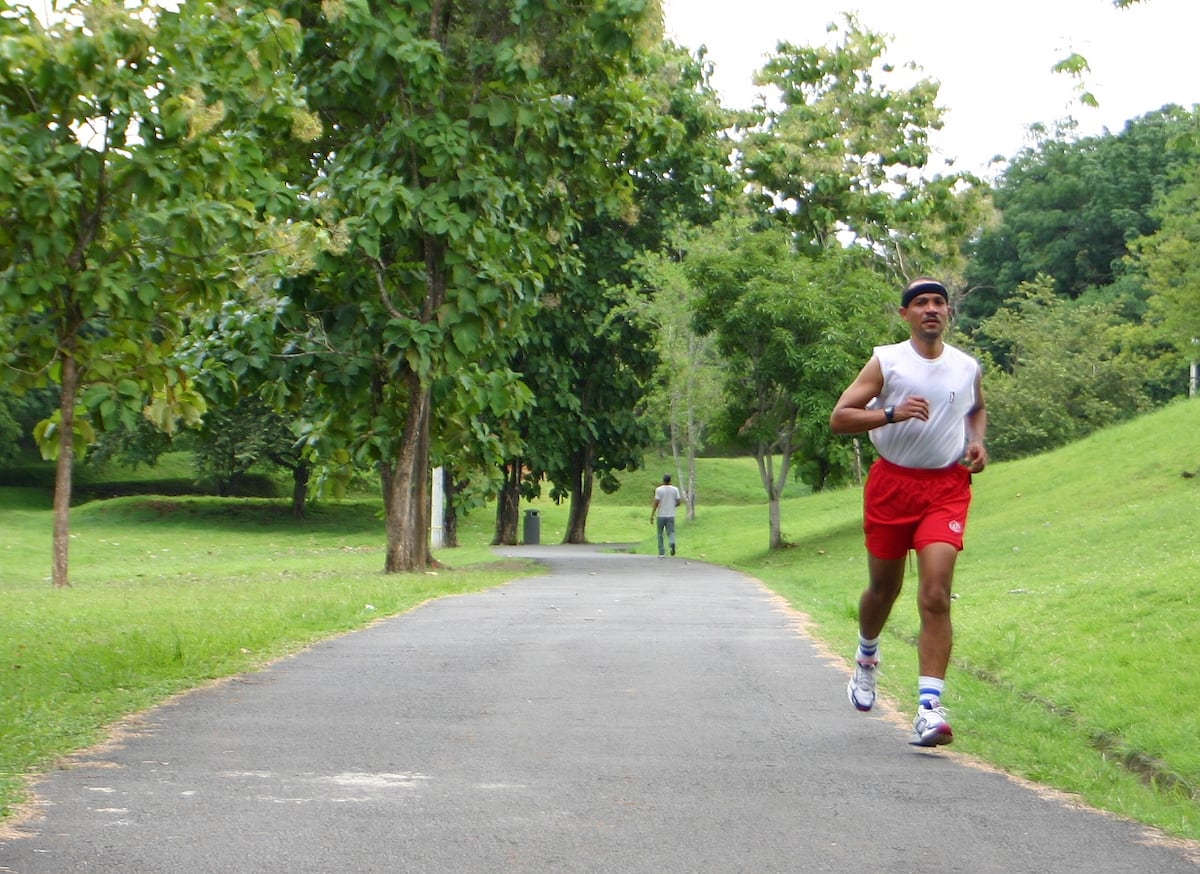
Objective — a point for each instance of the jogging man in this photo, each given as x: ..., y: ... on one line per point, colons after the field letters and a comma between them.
x: 921, y: 402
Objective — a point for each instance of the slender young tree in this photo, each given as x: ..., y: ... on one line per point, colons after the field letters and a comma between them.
x: 792, y: 330
x: 680, y: 410
x: 131, y: 184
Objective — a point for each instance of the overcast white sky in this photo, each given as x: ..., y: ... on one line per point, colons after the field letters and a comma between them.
x: 992, y: 59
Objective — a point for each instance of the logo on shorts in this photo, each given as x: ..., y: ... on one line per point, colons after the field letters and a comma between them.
x: 956, y: 527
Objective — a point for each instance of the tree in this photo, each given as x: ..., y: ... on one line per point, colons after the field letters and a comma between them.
x: 1168, y: 260
x: 843, y: 158
x: 1069, y: 208
x: 792, y: 329
x: 241, y: 434
x: 474, y: 441
x: 131, y: 181
x: 585, y: 428
x: 588, y: 358
x: 680, y: 408
x: 459, y: 140
x: 1061, y: 373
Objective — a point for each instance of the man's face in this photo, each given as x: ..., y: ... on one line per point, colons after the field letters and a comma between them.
x: 927, y: 314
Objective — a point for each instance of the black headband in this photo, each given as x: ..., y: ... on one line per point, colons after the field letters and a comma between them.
x: 920, y: 286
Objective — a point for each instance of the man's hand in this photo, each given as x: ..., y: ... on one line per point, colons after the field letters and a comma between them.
x: 913, y: 407
x: 975, y: 458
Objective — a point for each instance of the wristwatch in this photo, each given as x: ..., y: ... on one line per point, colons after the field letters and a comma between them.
x: 890, y: 413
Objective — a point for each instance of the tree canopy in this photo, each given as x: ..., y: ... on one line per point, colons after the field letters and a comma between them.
x: 482, y: 123
x: 1068, y: 209
x: 132, y: 179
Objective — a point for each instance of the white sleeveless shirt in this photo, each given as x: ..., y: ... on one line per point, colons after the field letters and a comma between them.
x: 947, y: 382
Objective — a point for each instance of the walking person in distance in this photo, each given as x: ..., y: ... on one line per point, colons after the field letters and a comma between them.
x: 921, y: 403
x: 666, y: 498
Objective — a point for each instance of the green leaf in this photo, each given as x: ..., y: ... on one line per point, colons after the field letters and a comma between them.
x: 500, y: 112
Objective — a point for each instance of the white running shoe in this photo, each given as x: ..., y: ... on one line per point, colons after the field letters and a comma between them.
x: 930, y: 728
x: 861, y: 688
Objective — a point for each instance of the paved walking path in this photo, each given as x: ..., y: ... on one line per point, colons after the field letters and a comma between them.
x: 621, y: 714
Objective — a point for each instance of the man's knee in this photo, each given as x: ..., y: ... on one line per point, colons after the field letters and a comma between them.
x: 934, y: 601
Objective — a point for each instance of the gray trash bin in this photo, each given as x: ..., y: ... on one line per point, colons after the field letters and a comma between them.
x: 533, y: 527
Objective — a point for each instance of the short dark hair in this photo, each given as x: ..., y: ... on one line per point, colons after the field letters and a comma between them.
x: 666, y: 477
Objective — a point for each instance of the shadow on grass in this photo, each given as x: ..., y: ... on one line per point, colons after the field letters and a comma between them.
x: 90, y: 484
x: 348, y: 517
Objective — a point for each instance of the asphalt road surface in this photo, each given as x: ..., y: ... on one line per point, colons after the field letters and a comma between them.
x: 621, y: 714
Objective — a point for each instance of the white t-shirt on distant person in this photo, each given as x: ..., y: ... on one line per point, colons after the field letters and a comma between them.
x: 668, y: 498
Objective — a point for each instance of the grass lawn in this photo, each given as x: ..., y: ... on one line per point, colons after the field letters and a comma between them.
x: 1075, y: 614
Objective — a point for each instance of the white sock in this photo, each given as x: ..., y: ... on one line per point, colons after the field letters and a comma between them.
x: 868, y: 650
x: 930, y: 690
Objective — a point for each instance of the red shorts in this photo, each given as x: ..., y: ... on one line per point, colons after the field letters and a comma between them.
x: 909, y: 508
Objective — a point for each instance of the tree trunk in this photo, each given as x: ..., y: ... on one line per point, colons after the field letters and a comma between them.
x: 406, y: 494
x: 776, y: 538
x: 765, y: 456
x: 691, y: 462
x: 581, y: 501
x: 300, y: 474
x: 449, y: 511
x: 508, y: 506
x: 681, y: 480
x: 64, y: 468
x: 777, y: 487
x: 691, y: 482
